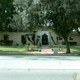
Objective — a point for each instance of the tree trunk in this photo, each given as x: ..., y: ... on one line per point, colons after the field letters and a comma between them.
x: 67, y: 46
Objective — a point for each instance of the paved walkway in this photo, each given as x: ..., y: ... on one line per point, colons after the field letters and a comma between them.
x: 46, y: 49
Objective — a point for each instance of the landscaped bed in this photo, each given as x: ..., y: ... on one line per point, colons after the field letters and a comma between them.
x: 12, y: 48
x: 27, y: 49
x: 62, y: 48
x: 19, y: 49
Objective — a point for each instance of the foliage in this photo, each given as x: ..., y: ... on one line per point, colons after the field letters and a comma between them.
x: 70, y: 43
x: 12, y: 49
x: 60, y: 16
x: 33, y: 48
x: 20, y: 20
x: 32, y: 38
x: 6, y: 42
x: 7, y: 11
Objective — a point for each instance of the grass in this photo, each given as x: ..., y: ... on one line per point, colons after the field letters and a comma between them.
x: 12, y: 48
x: 17, y: 48
x: 74, y: 49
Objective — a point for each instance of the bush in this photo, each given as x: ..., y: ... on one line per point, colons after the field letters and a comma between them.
x: 2, y: 42
x: 6, y: 42
x: 70, y: 43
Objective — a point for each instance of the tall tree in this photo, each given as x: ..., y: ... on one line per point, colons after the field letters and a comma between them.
x: 62, y: 16
x: 59, y: 15
x: 7, y: 11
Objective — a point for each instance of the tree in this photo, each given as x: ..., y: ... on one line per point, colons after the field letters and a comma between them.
x: 59, y: 15
x: 77, y: 20
x: 33, y: 38
x: 7, y: 11
x: 27, y: 17
x: 20, y: 20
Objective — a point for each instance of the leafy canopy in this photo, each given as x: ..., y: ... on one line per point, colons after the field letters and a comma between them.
x: 7, y: 11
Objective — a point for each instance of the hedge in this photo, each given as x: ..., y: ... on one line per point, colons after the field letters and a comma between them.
x: 70, y: 43
x: 6, y: 42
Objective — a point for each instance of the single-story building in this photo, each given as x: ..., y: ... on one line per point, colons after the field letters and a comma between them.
x: 46, y: 37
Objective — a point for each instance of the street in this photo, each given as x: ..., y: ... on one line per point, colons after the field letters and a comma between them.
x: 19, y: 67
x: 33, y: 57
x: 38, y: 74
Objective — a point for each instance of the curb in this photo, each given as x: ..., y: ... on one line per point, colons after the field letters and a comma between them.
x: 39, y: 53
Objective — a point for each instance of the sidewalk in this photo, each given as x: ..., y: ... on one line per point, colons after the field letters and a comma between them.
x: 46, y: 49
x: 39, y: 53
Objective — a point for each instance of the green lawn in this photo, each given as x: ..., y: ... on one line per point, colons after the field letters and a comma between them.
x: 12, y: 48
x: 74, y: 49
x: 17, y: 48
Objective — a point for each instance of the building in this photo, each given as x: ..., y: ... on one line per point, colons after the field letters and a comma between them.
x: 44, y: 37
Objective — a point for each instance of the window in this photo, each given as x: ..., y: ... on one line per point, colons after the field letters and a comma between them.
x: 6, y: 37
x: 70, y: 38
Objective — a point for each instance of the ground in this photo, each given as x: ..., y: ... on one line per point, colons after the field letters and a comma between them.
x: 31, y: 67
x: 46, y: 49
x: 44, y: 65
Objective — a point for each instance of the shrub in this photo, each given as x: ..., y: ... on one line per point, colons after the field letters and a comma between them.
x: 70, y: 43
x: 6, y: 42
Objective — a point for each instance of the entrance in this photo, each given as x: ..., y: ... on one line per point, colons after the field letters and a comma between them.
x: 23, y: 39
x: 44, y: 39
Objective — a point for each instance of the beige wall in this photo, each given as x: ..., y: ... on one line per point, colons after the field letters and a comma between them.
x: 54, y: 37
x: 16, y: 37
x: 1, y: 36
x: 77, y: 39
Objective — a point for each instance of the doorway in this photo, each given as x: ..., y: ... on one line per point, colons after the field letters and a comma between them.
x: 23, y: 39
x: 44, y: 39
